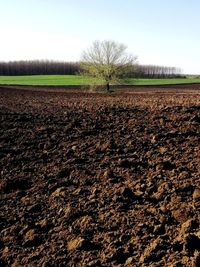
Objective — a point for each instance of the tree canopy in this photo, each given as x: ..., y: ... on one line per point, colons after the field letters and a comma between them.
x: 107, y: 61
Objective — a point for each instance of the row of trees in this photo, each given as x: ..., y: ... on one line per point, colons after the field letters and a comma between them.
x: 153, y: 71
x: 38, y: 67
x: 107, y: 61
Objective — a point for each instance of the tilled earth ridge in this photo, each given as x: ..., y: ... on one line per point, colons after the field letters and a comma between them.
x: 92, y: 179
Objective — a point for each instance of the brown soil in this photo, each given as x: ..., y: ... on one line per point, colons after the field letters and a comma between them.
x: 93, y: 179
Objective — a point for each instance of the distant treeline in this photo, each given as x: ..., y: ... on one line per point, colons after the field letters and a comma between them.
x: 153, y: 71
x: 38, y: 67
x: 46, y: 67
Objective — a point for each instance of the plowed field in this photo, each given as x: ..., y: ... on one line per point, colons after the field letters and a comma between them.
x: 92, y: 179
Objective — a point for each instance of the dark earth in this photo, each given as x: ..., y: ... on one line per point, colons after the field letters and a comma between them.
x: 95, y: 179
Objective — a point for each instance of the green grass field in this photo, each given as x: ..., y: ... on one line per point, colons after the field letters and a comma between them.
x: 46, y: 80
x: 62, y: 80
x: 160, y: 81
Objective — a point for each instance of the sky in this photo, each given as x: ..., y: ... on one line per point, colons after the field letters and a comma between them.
x: 158, y: 32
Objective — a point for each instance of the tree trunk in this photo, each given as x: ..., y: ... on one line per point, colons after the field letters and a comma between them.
x: 108, y: 87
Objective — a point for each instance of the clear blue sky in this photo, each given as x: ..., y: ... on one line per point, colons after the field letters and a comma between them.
x: 163, y: 32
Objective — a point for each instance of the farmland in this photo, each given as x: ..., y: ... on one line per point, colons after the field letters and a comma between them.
x: 66, y: 80
x: 92, y: 179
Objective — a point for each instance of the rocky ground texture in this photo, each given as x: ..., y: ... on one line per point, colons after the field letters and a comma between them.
x: 93, y: 179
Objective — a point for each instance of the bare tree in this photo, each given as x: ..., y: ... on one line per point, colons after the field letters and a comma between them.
x: 107, y: 61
